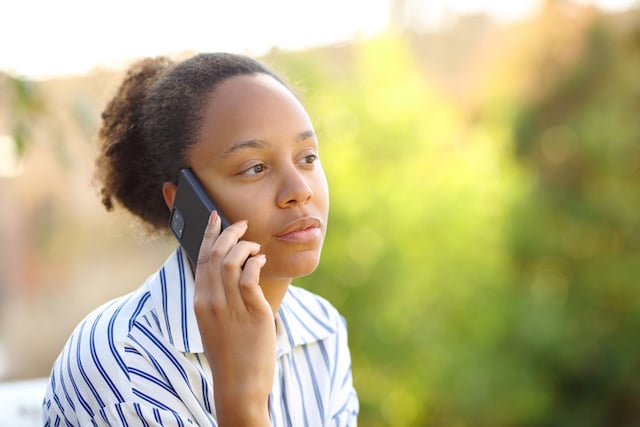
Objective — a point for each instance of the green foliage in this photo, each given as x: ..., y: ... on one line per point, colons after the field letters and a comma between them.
x: 575, y: 240
x: 26, y: 102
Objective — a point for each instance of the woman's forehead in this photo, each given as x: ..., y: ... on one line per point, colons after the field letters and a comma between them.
x: 248, y: 89
x: 252, y: 107
x: 252, y: 100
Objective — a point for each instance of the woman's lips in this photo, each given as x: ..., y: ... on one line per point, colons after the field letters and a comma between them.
x: 306, y: 235
x: 303, y: 229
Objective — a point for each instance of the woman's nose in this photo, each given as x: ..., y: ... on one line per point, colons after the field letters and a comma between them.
x: 295, y: 188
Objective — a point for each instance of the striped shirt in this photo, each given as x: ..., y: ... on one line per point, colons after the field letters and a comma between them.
x: 139, y: 361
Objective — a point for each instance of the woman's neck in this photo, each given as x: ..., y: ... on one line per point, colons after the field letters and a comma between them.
x: 274, y: 292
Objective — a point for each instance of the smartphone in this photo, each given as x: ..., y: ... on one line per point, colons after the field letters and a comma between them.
x: 192, y: 207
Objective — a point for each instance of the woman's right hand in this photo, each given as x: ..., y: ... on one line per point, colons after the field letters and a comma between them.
x: 236, y: 323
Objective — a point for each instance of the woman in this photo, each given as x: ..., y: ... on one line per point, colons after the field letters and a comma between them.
x: 226, y: 340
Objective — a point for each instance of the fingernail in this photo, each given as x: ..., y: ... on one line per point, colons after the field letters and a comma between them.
x: 213, y: 217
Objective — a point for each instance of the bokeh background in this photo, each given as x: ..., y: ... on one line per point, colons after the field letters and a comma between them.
x: 484, y: 240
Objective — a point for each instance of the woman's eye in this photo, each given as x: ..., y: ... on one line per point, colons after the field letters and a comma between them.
x: 254, y: 170
x: 310, y: 158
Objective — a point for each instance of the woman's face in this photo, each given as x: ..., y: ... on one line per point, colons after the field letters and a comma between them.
x: 258, y: 159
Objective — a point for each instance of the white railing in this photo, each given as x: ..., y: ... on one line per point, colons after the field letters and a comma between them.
x: 20, y: 403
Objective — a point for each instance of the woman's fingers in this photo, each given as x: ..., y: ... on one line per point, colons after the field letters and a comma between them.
x: 216, y: 244
x: 211, y: 233
x: 248, y: 285
x: 204, y: 292
x: 222, y: 262
x: 233, y: 265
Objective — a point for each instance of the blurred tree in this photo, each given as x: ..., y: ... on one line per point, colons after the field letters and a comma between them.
x: 25, y: 102
x: 576, y: 234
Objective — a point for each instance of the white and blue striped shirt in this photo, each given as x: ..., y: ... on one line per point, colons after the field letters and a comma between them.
x: 138, y: 361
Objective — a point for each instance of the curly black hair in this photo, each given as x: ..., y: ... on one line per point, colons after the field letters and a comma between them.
x: 148, y: 126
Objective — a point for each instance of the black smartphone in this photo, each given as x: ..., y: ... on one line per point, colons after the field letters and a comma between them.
x: 192, y: 207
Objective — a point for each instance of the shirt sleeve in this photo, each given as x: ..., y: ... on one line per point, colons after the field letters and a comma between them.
x: 344, y: 402
x: 123, y: 414
x: 136, y: 414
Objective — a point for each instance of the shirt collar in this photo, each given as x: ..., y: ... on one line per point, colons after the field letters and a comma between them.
x: 303, y: 318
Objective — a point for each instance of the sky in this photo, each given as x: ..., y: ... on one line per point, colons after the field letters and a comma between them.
x: 43, y: 38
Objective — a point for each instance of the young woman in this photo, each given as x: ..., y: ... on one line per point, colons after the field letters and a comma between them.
x: 227, y: 340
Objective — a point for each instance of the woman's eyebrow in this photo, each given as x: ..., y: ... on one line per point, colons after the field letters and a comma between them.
x: 244, y: 145
x: 260, y: 143
x: 305, y: 135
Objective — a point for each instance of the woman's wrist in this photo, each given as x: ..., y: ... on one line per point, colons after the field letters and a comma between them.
x: 241, y: 413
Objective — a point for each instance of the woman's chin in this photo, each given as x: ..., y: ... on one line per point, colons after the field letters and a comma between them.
x: 299, y: 265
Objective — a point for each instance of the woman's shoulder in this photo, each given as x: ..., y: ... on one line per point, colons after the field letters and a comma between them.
x: 107, y: 326
x: 91, y: 370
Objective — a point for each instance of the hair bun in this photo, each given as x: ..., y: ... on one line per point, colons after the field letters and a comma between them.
x: 120, y: 134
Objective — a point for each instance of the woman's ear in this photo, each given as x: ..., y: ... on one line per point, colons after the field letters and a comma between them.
x: 169, y: 193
